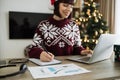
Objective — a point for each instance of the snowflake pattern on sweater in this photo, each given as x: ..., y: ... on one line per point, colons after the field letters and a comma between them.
x: 58, y: 40
x: 53, y: 35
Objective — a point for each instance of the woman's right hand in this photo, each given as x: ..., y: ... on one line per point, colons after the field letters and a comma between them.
x: 46, y: 57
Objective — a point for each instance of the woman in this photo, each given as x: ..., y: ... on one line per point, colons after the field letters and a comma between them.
x: 59, y: 34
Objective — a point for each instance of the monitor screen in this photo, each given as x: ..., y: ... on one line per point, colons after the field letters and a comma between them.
x: 22, y: 25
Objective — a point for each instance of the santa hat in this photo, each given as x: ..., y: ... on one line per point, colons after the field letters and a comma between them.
x: 63, y: 1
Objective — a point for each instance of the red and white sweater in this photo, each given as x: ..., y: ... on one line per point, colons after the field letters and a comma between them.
x: 60, y: 38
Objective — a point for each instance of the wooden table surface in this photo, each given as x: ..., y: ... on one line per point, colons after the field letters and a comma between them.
x: 103, y: 70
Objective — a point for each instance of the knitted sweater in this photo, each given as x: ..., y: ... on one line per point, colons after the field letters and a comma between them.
x: 59, y: 37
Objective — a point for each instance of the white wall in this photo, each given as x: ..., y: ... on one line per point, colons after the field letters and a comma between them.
x: 14, y: 48
x: 117, y: 16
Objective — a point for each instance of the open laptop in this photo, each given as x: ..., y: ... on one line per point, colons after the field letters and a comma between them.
x: 103, y: 50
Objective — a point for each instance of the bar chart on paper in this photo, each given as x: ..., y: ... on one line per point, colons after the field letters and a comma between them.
x: 56, y: 70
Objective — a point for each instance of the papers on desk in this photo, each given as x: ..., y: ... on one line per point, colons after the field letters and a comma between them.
x: 38, y: 62
x: 56, y: 70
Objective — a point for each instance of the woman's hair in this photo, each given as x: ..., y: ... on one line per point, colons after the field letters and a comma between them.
x: 56, y: 6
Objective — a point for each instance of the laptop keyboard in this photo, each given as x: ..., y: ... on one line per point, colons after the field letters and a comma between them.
x: 84, y: 59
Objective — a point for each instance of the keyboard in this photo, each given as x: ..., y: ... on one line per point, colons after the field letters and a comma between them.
x: 84, y: 59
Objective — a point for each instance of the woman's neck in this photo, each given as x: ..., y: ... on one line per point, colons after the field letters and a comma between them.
x: 59, y: 22
x: 57, y: 18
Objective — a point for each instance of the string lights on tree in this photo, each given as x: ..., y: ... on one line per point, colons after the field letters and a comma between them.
x: 91, y: 24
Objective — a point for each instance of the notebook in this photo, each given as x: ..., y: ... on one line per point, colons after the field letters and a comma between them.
x: 38, y: 62
x: 102, y: 51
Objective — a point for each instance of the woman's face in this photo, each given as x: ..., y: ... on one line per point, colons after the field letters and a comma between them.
x: 65, y: 9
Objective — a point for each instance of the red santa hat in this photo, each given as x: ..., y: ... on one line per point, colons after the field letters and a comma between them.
x: 63, y: 1
x: 52, y: 2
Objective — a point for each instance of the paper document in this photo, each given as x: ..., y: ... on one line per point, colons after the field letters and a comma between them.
x: 56, y: 70
x: 38, y: 62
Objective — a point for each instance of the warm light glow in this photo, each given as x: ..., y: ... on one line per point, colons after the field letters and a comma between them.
x: 96, y: 20
x: 96, y: 42
x: 101, y: 31
x: 93, y: 40
x: 85, y: 39
x: 90, y: 16
x: 84, y: 20
x: 88, y: 40
x: 80, y: 19
x: 88, y: 4
x: 96, y: 33
x: 94, y: 14
x: 94, y: 5
x: 102, y: 23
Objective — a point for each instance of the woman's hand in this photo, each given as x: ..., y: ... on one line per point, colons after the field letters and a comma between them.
x: 87, y: 52
x: 46, y: 57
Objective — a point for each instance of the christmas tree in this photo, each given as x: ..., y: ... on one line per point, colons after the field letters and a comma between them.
x: 91, y: 24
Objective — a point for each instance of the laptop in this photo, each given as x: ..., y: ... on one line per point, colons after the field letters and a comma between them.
x: 102, y: 51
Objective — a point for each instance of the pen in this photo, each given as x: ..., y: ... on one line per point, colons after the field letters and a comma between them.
x: 42, y: 44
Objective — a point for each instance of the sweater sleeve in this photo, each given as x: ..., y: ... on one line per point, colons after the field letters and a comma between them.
x: 77, y: 50
x: 34, y: 50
